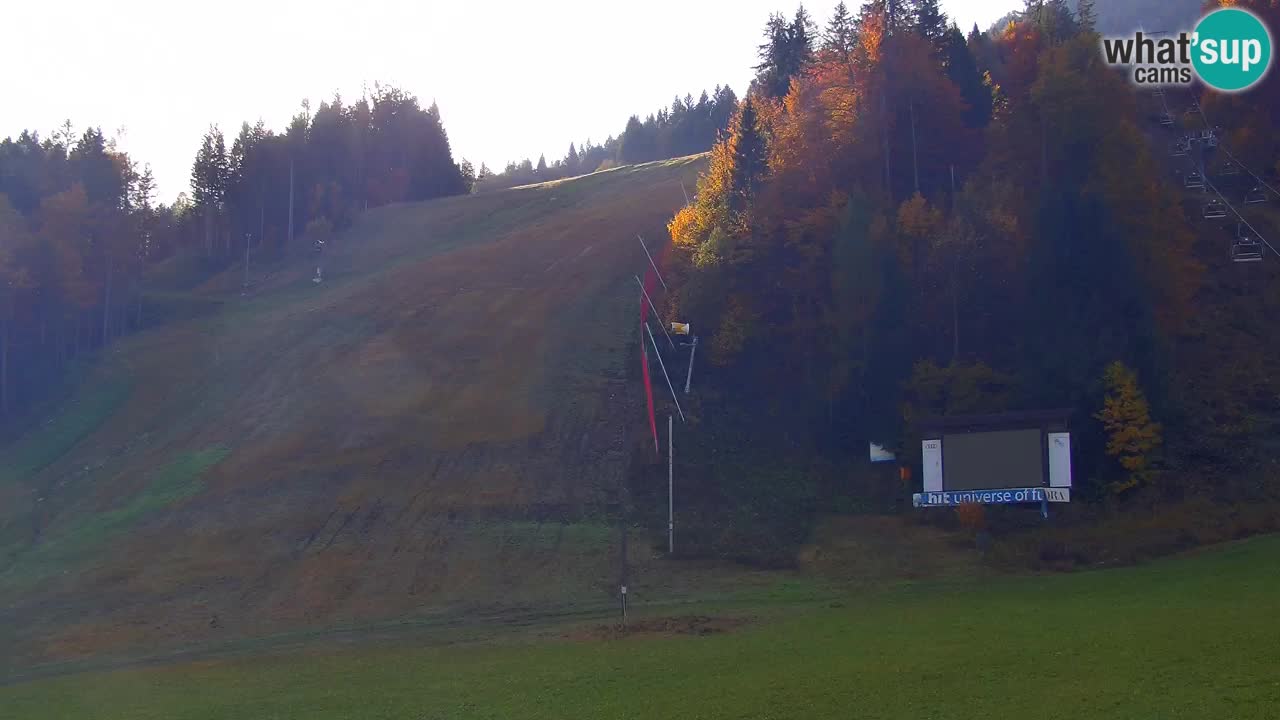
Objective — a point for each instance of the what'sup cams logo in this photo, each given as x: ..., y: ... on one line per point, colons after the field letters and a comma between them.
x: 1229, y: 50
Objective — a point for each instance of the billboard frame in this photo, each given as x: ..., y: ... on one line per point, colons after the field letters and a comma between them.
x: 1055, y: 450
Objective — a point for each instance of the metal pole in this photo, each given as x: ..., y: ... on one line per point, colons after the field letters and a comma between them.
x: 671, y: 487
x: 915, y: 159
x: 651, y: 262
x: 654, y: 308
x: 663, y: 365
x: 689, y: 377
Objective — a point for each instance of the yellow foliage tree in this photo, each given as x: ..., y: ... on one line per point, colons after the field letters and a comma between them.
x: 1132, y: 437
x: 919, y: 224
x: 731, y: 336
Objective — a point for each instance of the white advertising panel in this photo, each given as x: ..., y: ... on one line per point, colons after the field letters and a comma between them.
x: 931, y: 454
x: 1060, y: 460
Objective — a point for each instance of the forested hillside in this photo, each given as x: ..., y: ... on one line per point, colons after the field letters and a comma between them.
x: 906, y: 222
x: 686, y: 128
x: 84, y: 244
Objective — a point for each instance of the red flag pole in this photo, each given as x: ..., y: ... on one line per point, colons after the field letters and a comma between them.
x: 648, y: 391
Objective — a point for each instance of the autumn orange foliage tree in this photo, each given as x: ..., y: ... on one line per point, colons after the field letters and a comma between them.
x: 1015, y: 259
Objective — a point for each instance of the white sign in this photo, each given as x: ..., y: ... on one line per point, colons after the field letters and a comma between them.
x: 879, y: 454
x: 1057, y: 495
x: 1060, y: 459
x: 1005, y: 496
x: 931, y: 457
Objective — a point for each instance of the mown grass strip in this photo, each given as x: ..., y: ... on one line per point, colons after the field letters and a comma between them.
x: 177, y: 481
x: 79, y: 417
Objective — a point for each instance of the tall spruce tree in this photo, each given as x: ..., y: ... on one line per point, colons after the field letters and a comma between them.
x: 839, y: 36
x: 749, y: 156
x: 1086, y: 16
x: 963, y: 71
x: 787, y: 50
x: 929, y: 22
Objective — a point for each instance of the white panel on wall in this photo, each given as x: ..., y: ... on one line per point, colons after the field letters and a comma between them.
x: 1060, y: 460
x: 880, y: 455
x: 931, y: 454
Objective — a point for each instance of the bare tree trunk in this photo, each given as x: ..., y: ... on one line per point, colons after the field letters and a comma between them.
x: 289, y: 238
x: 955, y: 317
x: 915, y: 156
x: 884, y: 141
x: 208, y: 234
x: 4, y: 367
x: 106, y: 304
x: 1044, y: 150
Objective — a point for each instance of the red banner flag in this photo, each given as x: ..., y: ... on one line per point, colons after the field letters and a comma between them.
x: 648, y: 392
x: 644, y: 353
x: 648, y: 289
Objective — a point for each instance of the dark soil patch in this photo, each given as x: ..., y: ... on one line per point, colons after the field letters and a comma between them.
x: 670, y: 626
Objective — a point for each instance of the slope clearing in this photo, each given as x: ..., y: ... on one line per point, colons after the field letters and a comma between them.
x: 440, y: 426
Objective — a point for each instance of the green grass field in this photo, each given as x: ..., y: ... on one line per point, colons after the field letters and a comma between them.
x: 1191, y: 637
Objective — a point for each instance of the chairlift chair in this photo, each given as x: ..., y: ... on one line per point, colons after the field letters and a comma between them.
x: 1255, y: 196
x: 1209, y: 138
x: 1193, y: 180
x: 1180, y: 149
x: 1166, y: 119
x: 1245, y: 248
x: 1230, y: 168
x: 1214, y: 209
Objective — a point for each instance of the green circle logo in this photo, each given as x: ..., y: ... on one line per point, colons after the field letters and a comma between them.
x: 1232, y: 49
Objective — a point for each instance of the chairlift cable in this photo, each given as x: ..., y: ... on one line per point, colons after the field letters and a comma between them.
x: 1240, y: 217
x: 1222, y: 146
x: 1209, y: 184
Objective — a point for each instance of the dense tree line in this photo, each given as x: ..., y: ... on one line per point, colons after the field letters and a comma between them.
x: 686, y: 128
x: 381, y: 149
x: 903, y: 221
x: 80, y: 230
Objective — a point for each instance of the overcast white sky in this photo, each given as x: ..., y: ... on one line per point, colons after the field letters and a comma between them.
x: 512, y: 79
